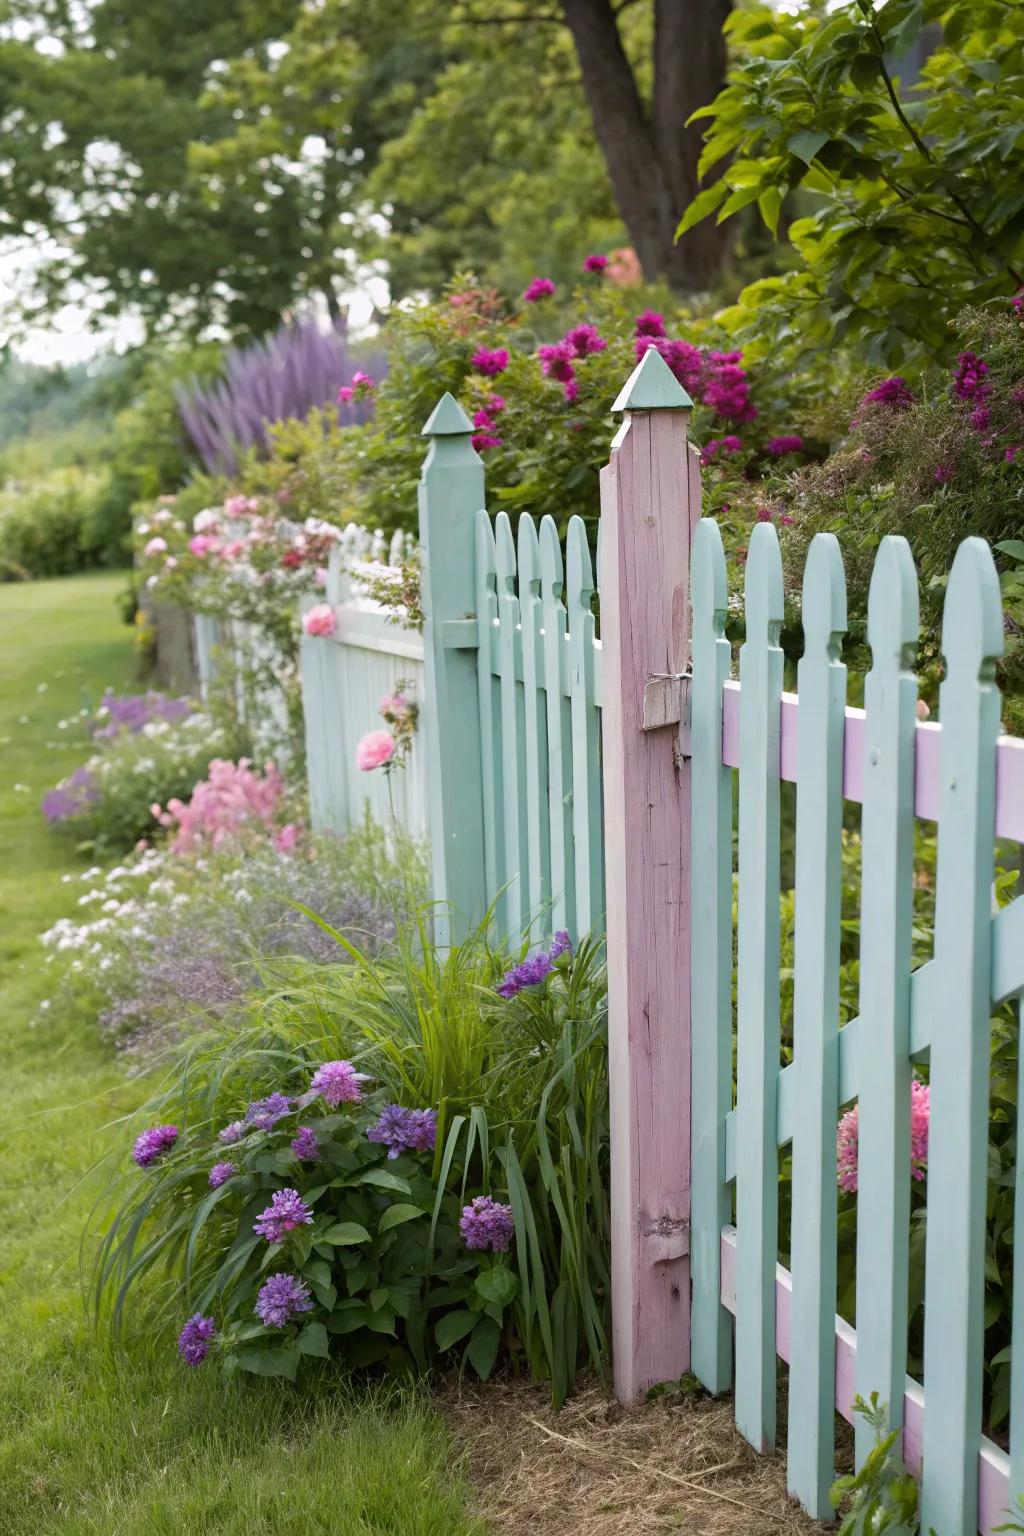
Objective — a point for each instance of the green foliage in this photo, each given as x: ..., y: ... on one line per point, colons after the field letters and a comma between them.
x: 520, y: 1089
x: 55, y: 526
x: 916, y: 207
x: 882, y: 1496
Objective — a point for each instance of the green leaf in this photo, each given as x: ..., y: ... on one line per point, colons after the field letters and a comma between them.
x: 453, y: 1327
x: 806, y: 143
x: 348, y: 1316
x: 395, y: 1215
x: 345, y: 1233
x: 499, y: 1285
x: 269, y: 1362
x: 380, y: 1178
x: 482, y: 1349
x: 1012, y: 547
x: 313, y: 1340
x: 770, y: 206
x: 704, y: 203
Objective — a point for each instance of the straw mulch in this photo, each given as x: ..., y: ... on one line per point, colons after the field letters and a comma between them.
x: 596, y: 1469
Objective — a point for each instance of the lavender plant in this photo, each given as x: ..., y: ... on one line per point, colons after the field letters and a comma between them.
x: 283, y: 377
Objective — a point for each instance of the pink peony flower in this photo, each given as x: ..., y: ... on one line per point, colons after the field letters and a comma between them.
x: 394, y: 704
x: 155, y: 547
x: 538, y: 288
x: 320, y: 620
x: 202, y: 544
x: 233, y: 799
x: 375, y: 749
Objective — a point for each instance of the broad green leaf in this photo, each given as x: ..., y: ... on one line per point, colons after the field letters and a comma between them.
x: 313, y: 1340
x: 269, y: 1362
x: 380, y: 1178
x: 453, y: 1327
x: 345, y: 1234
x: 805, y: 143
x: 499, y: 1285
x: 482, y: 1349
x: 395, y: 1215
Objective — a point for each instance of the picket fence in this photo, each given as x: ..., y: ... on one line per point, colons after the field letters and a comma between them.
x: 576, y: 781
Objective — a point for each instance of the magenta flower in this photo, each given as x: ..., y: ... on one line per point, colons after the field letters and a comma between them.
x: 376, y: 749
x: 584, y: 340
x: 490, y: 363
x: 728, y: 444
x: 337, y: 1082
x: 969, y: 379
x: 487, y: 1225
x: 943, y: 474
x: 154, y: 1144
x: 195, y: 1338
x: 346, y: 394
x: 650, y: 323
x: 571, y: 390
x: 727, y: 388
x: 281, y: 1298
x: 765, y: 515
x: 305, y: 1144
x: 286, y: 1211
x: 484, y: 440
x: 362, y: 380
x: 684, y: 359
x: 556, y: 361
x: 538, y: 288
x: 595, y: 263
x: 1017, y: 303
x: 895, y: 393
x: 790, y: 442
x: 1010, y: 453
x: 320, y: 620
x: 981, y: 418
x: 847, y: 1137
x: 220, y: 1173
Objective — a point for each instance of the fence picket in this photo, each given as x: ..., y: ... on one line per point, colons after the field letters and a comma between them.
x: 513, y: 729
x: 711, y: 961
x: 972, y: 638
x: 489, y: 705
x: 757, y: 1215
x: 588, y: 841
x: 535, y: 743
x: 887, y: 892
x: 559, y: 730
x: 821, y: 685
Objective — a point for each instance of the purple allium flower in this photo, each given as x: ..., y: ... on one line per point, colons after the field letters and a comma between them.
x: 585, y: 340
x: 286, y: 1211
x: 337, y: 1082
x: 528, y: 973
x: 305, y: 1144
x: 220, y: 1173
x: 281, y: 1298
x: 486, y: 1224
x: 894, y: 393
x: 488, y: 362
x: 561, y: 944
x: 233, y: 1132
x: 969, y: 379
x: 405, y: 1130
x: 650, y: 323
x: 263, y: 1114
x: 595, y: 263
x: 789, y: 442
x: 195, y: 1338
x: 556, y: 361
x: 153, y: 1143
x: 538, y: 288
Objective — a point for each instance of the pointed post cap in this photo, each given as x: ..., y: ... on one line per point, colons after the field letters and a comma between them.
x: 652, y: 386
x: 447, y: 419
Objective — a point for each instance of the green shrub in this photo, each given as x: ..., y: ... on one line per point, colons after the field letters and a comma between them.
x: 51, y: 527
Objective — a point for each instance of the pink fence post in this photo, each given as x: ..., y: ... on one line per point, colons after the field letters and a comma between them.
x: 650, y: 504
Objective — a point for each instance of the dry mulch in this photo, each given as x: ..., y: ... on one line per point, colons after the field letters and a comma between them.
x: 597, y: 1469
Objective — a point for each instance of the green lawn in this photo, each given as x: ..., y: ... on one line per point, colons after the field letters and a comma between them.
x: 136, y: 1446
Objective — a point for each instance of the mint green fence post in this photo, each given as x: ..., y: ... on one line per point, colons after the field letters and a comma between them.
x: 451, y: 492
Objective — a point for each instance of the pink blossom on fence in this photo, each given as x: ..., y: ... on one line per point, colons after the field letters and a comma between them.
x: 375, y: 750
x: 233, y: 800
x: 490, y: 363
x: 396, y: 706
x: 847, y: 1138
x: 155, y: 547
x: 345, y: 394
x: 320, y: 620
x: 362, y: 380
x: 538, y: 288
x: 595, y: 262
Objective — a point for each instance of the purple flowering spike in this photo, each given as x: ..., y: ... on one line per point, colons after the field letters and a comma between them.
x: 305, y: 1144
x: 528, y: 973
x: 487, y: 1225
x: 404, y: 1130
x: 153, y: 1144
x: 220, y: 1173
x: 337, y: 1082
x: 286, y: 1211
x: 560, y: 945
x: 195, y: 1338
x: 281, y: 1298
x: 233, y: 1132
x: 263, y: 1114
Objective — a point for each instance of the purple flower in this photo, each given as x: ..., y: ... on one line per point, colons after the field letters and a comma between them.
x: 220, y: 1173
x: 487, y: 1225
x: 943, y: 474
x: 595, y: 263
x: 482, y: 440
x: 584, y: 340
x: 538, y: 288
x: 1010, y: 453
x: 286, y: 1211
x: 72, y: 796
x: 233, y: 1132
x: 969, y: 379
x: 650, y: 323
x: 305, y: 1144
x: 263, y: 1114
x: 528, y: 973
x: 405, y: 1130
x: 727, y: 388
x: 789, y: 442
x: 337, y: 1082
x: 728, y: 444
x: 684, y: 359
x: 490, y: 363
x: 281, y: 1298
x: 1017, y: 303
x: 153, y: 1143
x: 195, y: 1338
x: 556, y: 361
x: 981, y: 418
x: 560, y: 945
x: 894, y: 393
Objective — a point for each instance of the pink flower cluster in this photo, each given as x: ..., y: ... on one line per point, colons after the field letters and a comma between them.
x: 718, y: 380
x: 847, y: 1138
x: 558, y: 360
x: 485, y: 435
x: 320, y: 620
x: 538, y: 288
x: 234, y: 800
x: 389, y: 749
x: 362, y: 384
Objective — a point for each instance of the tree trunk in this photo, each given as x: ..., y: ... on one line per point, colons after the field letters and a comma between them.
x: 652, y: 158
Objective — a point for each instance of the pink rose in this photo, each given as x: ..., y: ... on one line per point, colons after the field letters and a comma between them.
x: 362, y: 380
x: 345, y: 394
x: 375, y: 749
x: 201, y: 545
x: 394, y: 704
x: 320, y: 620
x: 155, y: 547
